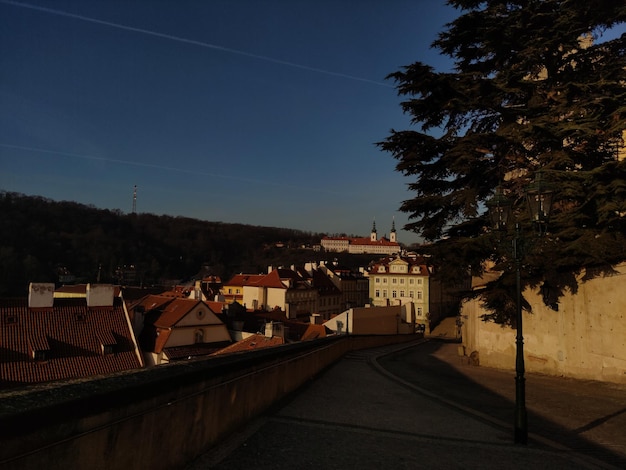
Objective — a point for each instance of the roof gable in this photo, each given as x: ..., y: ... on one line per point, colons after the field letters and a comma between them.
x: 272, y: 280
x: 175, y: 311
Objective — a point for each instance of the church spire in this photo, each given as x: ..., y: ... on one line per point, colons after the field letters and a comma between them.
x: 373, y: 236
x: 392, y: 235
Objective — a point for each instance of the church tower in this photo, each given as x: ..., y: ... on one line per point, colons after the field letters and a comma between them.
x: 392, y: 234
x: 373, y: 236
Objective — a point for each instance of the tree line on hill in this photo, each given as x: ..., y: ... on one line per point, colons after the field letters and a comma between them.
x: 42, y: 240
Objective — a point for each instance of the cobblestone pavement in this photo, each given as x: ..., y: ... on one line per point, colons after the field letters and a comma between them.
x: 423, y: 407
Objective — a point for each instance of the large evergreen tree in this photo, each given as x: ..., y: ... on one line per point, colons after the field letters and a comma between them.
x: 535, y: 86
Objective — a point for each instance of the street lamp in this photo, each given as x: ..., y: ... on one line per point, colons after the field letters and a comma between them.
x: 539, y: 198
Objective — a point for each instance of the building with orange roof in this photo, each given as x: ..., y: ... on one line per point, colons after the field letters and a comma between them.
x: 282, y: 289
x: 44, y: 338
x: 179, y: 328
x: 232, y: 290
x: 361, y: 245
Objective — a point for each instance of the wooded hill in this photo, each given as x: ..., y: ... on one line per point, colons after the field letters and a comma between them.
x: 41, y: 240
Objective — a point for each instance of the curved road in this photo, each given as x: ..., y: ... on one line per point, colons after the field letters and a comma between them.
x: 422, y: 406
x: 584, y: 415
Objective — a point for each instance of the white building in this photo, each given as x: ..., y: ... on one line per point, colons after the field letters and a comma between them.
x: 401, y: 280
x: 360, y: 245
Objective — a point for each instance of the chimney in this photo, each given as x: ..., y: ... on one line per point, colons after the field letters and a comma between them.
x: 100, y: 295
x: 315, y: 319
x: 40, y: 294
x: 274, y: 329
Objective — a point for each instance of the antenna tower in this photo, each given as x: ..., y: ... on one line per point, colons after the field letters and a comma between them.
x: 135, y: 200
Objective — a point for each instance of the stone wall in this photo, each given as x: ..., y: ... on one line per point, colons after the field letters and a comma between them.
x: 585, y: 338
x: 157, y: 418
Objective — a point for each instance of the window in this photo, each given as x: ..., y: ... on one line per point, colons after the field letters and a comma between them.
x: 200, y: 314
x: 401, y: 293
x: 394, y: 294
x: 377, y: 280
x: 394, y: 281
x: 402, y: 281
x: 419, y: 295
x: 419, y: 281
x: 41, y: 355
x: 377, y: 293
x: 384, y: 280
x: 411, y: 294
x: 385, y: 293
x: 230, y: 291
x: 419, y: 311
x: 199, y: 336
x: 108, y: 349
x: 411, y: 281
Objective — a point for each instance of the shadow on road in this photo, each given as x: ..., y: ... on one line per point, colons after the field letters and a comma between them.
x: 556, y: 406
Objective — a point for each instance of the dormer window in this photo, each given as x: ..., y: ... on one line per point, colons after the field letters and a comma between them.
x: 9, y: 319
x: 108, y: 349
x: 381, y: 269
x: 41, y: 355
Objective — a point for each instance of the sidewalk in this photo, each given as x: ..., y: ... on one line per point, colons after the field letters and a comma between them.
x: 374, y: 411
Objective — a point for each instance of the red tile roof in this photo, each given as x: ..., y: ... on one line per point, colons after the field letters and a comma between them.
x: 364, y: 241
x: 174, y: 312
x: 244, y: 279
x: 215, y: 306
x: 272, y: 280
x: 151, y: 302
x: 67, y: 340
x: 315, y: 332
x: 162, y: 315
x: 251, y: 343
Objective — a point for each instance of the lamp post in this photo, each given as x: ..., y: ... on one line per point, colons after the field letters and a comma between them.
x: 539, y: 198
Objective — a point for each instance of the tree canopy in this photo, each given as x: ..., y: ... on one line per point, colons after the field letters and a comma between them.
x: 536, y: 85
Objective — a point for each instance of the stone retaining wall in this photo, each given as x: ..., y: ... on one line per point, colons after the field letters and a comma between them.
x: 158, y: 418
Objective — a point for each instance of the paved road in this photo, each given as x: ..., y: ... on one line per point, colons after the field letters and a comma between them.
x: 423, y: 407
x: 585, y: 415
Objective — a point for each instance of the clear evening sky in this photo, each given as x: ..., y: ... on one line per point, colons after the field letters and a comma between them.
x: 261, y: 112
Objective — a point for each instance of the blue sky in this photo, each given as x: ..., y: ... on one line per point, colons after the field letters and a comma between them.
x: 261, y: 112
